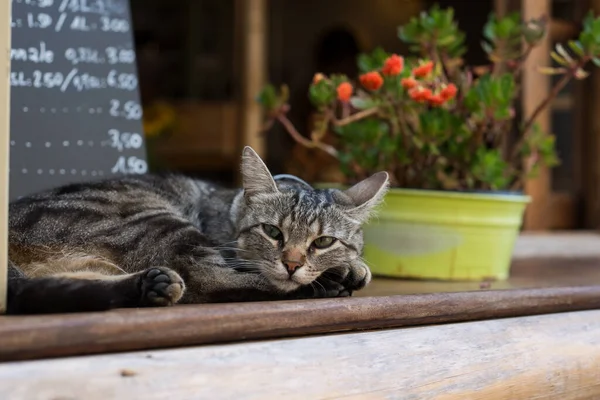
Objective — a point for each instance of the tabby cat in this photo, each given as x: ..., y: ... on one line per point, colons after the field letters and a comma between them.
x: 158, y: 240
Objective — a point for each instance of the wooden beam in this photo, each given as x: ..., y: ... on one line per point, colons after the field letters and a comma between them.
x: 254, y: 21
x: 140, y: 329
x: 552, y: 356
x: 591, y: 146
x: 5, y: 18
x: 536, y: 88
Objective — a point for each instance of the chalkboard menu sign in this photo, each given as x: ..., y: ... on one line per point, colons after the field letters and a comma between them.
x: 75, y: 105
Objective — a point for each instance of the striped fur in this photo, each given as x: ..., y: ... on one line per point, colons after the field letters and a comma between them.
x: 157, y: 240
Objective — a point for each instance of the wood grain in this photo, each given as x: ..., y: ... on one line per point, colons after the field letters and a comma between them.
x: 124, y: 330
x: 536, y: 87
x: 255, y: 24
x: 591, y: 145
x: 5, y: 12
x: 551, y: 356
x: 527, y: 273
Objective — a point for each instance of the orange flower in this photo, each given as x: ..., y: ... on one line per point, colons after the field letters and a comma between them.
x: 408, y: 83
x: 371, y: 80
x: 318, y: 78
x: 436, y: 100
x: 423, y: 70
x: 420, y: 94
x: 449, y: 92
x: 393, y: 65
x: 344, y: 92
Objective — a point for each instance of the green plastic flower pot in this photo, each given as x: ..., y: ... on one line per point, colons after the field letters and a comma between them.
x: 444, y: 235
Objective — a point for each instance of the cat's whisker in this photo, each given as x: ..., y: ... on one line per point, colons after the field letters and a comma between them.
x: 365, y: 262
x: 233, y: 249
x: 232, y: 261
x: 320, y: 284
x: 334, y: 273
x: 228, y: 243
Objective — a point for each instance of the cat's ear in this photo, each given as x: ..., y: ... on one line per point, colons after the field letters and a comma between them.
x: 366, y: 195
x: 256, y: 176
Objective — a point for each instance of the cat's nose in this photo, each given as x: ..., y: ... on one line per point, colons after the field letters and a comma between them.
x: 292, y: 266
x: 293, y: 259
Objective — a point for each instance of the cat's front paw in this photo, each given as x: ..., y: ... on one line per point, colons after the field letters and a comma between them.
x: 324, y: 287
x: 354, y: 277
x: 160, y: 287
x: 359, y: 276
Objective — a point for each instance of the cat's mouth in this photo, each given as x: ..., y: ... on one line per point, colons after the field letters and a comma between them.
x: 282, y: 280
x: 286, y: 285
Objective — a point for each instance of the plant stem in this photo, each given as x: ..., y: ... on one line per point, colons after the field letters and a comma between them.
x: 355, y: 117
x: 553, y: 93
x: 287, y: 124
x: 524, y: 57
x: 555, y: 90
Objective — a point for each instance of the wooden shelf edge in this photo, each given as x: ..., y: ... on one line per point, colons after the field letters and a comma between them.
x: 547, y: 356
x: 37, y: 337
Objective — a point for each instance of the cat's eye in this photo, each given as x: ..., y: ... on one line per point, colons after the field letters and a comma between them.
x: 272, y: 231
x: 323, y: 242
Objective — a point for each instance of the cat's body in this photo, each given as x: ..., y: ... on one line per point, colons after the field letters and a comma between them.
x: 160, y: 240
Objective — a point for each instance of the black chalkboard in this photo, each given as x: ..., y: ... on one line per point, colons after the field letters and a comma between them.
x: 75, y: 105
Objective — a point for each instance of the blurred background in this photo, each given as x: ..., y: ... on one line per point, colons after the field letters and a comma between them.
x: 202, y: 62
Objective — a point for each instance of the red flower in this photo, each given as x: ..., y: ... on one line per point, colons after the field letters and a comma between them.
x: 423, y: 70
x: 420, y: 94
x: 436, y: 100
x: 344, y: 92
x: 318, y: 78
x: 371, y: 80
x: 409, y: 83
x: 393, y: 65
x: 449, y: 92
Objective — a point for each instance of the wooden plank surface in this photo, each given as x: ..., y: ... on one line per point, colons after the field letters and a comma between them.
x: 552, y: 356
x: 525, y: 273
x: 124, y: 330
x: 5, y: 12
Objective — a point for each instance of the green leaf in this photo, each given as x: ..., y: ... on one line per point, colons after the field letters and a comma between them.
x: 596, y: 30
x: 588, y: 21
x: 534, y: 30
x: 490, y: 168
x: 373, y: 61
x: 268, y: 97
x: 551, y: 71
x: 487, y: 47
x: 322, y: 93
x: 596, y: 61
x: 363, y: 103
x: 435, y: 27
x: 504, y: 28
x: 489, y: 29
x: 559, y: 59
x: 587, y: 41
x: 564, y: 53
x: 576, y: 47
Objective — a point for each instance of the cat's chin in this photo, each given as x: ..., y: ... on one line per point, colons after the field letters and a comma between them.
x: 287, y: 285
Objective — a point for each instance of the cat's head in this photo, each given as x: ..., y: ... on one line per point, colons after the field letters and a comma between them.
x: 293, y: 233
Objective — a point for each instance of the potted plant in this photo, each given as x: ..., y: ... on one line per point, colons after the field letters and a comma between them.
x: 447, y: 135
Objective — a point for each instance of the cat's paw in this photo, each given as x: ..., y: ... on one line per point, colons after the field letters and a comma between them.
x: 161, y: 287
x: 327, y: 288
x: 351, y: 278
x: 358, y: 277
